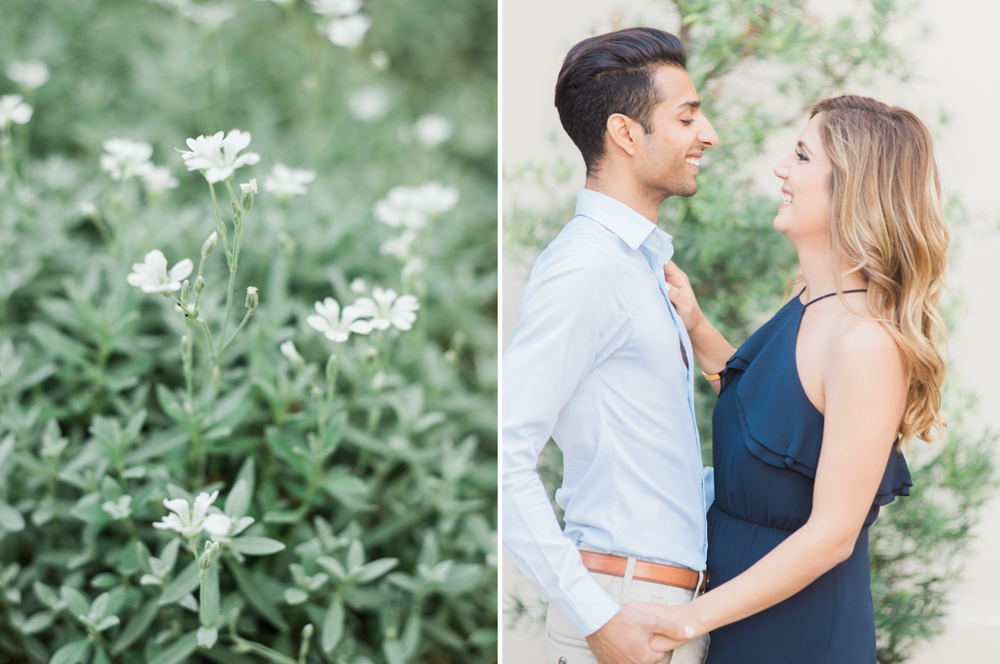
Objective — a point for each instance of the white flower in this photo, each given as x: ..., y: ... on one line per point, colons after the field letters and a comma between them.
x: 211, y: 16
x: 335, y: 326
x: 123, y: 158
x: 13, y: 109
x: 118, y: 510
x: 158, y: 178
x: 221, y: 528
x: 249, y: 187
x: 190, y: 523
x: 399, y: 246
x: 414, y: 265
x: 359, y: 286
x: 336, y: 7
x: 285, y: 181
x: 152, y: 276
x: 379, y: 60
x: 409, y: 206
x: 217, y: 156
x: 369, y: 103
x: 435, y: 198
x: 387, y: 309
x: 348, y: 31
x: 289, y: 350
x: 433, y: 130
x: 31, y: 75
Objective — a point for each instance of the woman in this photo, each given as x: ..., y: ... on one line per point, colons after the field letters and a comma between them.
x: 814, y: 408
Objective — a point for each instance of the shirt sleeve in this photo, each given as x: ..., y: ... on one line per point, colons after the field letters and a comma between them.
x: 709, y: 487
x: 573, y: 312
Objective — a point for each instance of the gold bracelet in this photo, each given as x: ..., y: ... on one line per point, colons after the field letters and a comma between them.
x: 712, y: 377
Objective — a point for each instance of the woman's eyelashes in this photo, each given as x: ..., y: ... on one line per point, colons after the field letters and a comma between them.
x: 801, y: 156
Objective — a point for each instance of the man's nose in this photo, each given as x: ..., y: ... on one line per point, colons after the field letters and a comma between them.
x: 707, y: 135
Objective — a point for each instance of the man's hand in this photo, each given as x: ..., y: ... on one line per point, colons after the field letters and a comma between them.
x: 625, y: 639
x: 682, y: 295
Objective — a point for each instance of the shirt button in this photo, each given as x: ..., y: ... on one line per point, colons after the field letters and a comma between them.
x: 562, y: 660
x: 652, y: 235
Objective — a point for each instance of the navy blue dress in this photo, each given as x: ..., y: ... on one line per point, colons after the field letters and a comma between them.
x: 766, y: 444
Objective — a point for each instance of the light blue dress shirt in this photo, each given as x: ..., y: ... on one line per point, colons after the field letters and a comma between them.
x: 595, y: 363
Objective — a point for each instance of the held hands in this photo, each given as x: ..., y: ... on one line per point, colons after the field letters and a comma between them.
x: 682, y: 295
x: 629, y: 636
x: 674, y: 615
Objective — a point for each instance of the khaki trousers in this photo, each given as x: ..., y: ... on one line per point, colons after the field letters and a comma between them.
x: 565, y: 646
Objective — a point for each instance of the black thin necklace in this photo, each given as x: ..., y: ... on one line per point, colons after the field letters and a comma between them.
x: 823, y: 297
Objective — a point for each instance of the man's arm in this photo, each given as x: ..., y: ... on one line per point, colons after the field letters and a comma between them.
x: 573, y: 311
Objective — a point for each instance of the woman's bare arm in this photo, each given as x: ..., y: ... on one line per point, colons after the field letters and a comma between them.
x: 710, y: 348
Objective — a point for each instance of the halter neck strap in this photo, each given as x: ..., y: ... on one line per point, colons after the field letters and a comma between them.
x: 823, y: 297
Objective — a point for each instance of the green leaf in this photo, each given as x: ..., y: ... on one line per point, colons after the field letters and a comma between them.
x: 250, y: 589
x: 355, y: 556
x: 104, y: 580
x: 393, y: 650
x: 108, y: 623
x: 99, y: 607
x: 179, y: 650
x: 238, y: 500
x: 71, y: 653
x: 284, y: 446
x: 210, y: 598
x: 10, y: 518
x: 411, y: 635
x: 46, y: 594
x: 283, y: 516
x: 255, y: 546
x: 137, y: 626
x: 207, y: 636
x: 37, y: 622
x: 376, y: 568
x: 247, y: 473
x: 171, y: 405
x: 341, y: 483
x: 88, y: 509
x: 182, y: 585
x: 333, y: 624
x: 333, y: 566
x: 295, y: 596
x: 77, y: 603
x: 333, y: 433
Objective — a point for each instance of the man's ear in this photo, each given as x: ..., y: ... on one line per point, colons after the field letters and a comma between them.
x: 623, y: 132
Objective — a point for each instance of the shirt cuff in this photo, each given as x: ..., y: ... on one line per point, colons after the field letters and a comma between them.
x: 588, y: 607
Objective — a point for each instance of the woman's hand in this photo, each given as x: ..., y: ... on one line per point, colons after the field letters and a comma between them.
x: 682, y: 295
x: 679, y: 615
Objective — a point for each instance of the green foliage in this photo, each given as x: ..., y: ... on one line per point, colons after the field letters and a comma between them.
x: 759, y: 65
x: 363, y: 472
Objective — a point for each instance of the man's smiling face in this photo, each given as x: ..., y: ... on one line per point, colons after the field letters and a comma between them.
x: 668, y: 159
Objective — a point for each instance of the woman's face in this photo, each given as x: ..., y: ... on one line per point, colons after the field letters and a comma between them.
x: 805, y: 173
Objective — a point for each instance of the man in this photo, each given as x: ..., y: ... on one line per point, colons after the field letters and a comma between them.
x: 601, y: 363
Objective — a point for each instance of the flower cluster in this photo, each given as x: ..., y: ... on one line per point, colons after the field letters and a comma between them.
x: 286, y: 182
x: 218, y: 157
x: 123, y: 159
x: 349, y: 28
x: 383, y: 309
x: 410, y: 206
x: 369, y: 104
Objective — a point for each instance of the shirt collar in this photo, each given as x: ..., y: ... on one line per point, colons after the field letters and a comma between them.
x: 631, y: 227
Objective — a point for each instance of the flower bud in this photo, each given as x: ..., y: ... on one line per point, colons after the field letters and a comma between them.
x: 199, y: 283
x: 288, y: 350
x: 249, y: 189
x: 307, y: 634
x: 209, y: 245
x: 252, y: 299
x: 185, y: 291
x: 208, y: 557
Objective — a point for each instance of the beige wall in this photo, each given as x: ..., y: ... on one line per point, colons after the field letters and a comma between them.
x: 955, y: 70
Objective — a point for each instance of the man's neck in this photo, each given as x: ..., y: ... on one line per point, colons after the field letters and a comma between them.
x: 628, y: 193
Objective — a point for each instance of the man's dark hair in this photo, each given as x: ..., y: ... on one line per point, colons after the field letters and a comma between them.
x: 608, y: 74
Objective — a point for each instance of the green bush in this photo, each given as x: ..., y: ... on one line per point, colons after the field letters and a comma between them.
x: 357, y: 517
x: 759, y: 65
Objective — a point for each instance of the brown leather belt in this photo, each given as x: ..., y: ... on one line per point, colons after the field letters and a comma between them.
x: 668, y: 575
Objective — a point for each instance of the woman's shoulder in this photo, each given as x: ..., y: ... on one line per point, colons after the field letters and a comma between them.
x: 864, y: 351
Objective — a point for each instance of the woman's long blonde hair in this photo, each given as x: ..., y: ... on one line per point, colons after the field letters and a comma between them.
x: 886, y: 220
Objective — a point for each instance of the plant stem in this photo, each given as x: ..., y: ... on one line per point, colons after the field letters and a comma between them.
x: 234, y: 260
